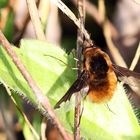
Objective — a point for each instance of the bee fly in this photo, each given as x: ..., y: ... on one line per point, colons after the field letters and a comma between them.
x: 99, y: 74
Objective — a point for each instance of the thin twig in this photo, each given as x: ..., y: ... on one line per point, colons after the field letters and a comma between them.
x: 71, y: 15
x: 113, y: 49
x: 7, y: 122
x: 115, y: 53
x: 136, y: 1
x: 35, y: 19
x: 80, y: 37
x: 101, y: 8
x: 94, y: 13
x: 21, y: 112
x: 107, y: 33
x: 135, y: 59
x: 41, y: 98
x: 132, y: 67
x: 53, y: 25
x: 43, y: 129
x: 21, y: 32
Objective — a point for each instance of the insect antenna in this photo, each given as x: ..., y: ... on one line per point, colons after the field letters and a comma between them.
x: 62, y: 61
x: 110, y: 109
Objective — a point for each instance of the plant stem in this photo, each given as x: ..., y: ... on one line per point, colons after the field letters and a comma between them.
x: 80, y: 38
x: 41, y: 98
x: 35, y: 19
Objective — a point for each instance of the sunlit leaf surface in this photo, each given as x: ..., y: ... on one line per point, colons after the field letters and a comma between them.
x: 54, y: 77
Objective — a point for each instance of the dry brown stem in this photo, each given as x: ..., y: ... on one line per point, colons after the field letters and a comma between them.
x: 35, y: 19
x: 41, y: 98
x: 135, y: 59
x: 80, y: 38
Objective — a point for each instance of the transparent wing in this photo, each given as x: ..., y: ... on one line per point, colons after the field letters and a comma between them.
x: 120, y: 71
x: 128, y: 77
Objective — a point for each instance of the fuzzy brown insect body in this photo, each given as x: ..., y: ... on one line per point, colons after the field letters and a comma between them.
x: 99, y: 74
x: 102, y: 80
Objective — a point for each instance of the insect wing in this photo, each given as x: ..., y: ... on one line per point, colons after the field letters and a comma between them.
x: 76, y: 86
x: 120, y: 71
x: 128, y: 77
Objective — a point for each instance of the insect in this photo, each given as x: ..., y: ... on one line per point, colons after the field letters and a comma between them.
x: 99, y: 74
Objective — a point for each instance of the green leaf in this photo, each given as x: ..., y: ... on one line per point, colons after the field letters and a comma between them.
x: 51, y: 75
x: 115, y: 122
x: 27, y: 133
x: 43, y: 61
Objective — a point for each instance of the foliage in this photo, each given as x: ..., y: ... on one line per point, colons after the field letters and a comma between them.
x: 51, y: 67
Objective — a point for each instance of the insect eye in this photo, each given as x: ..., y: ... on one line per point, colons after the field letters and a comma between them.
x: 98, y: 65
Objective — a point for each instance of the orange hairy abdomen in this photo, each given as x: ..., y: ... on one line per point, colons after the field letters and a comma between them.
x: 104, y: 92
